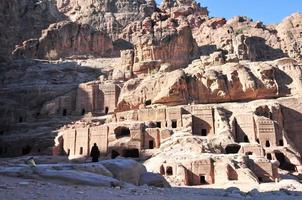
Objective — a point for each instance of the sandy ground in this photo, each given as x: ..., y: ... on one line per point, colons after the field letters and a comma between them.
x: 17, y: 188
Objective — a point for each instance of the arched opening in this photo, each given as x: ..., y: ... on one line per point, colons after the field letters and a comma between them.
x: 202, y: 180
x: 83, y: 111
x: 232, y: 148
x: 81, y: 150
x: 174, y: 124
x: 151, y: 144
x: 148, y: 102
x: 26, y: 150
x: 122, y: 132
x: 130, y: 153
x: 269, y: 156
x: 284, y: 163
x: 106, y: 110
x: 114, y: 154
x: 281, y: 143
x: 267, y: 143
x: 169, y: 171
x: 162, y: 170
x: 20, y: 119
x: 246, y: 139
x: 64, y: 112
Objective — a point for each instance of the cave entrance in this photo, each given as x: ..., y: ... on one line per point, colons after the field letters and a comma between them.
x: 174, y: 123
x: 122, y: 132
x: 83, y: 111
x: 130, y: 153
x: 64, y: 112
x: 169, y: 171
x: 232, y: 148
x: 281, y: 143
x: 284, y: 164
x: 269, y: 156
x: 151, y: 144
x: 204, y: 132
x: 148, y: 102
x: 202, y: 180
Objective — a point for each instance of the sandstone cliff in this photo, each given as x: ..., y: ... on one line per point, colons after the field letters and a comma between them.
x: 65, y: 39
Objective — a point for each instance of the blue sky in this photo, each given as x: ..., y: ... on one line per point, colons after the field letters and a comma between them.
x: 268, y: 11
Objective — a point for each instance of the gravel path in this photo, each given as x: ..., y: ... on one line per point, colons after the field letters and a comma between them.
x: 17, y: 188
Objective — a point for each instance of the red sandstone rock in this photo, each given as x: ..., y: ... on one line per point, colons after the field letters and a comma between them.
x: 65, y: 39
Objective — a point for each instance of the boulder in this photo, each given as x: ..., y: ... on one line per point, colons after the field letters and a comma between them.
x: 153, y: 179
x: 125, y: 169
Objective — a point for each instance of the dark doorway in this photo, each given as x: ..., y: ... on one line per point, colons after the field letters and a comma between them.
x: 83, y: 111
x: 267, y: 143
x: 130, y: 153
x: 64, y: 112
x: 114, y: 154
x: 106, y: 110
x: 260, y: 179
x: 204, y: 132
x: 162, y: 170
x: 202, y: 180
x: 158, y: 124
x: 249, y: 153
x: 169, y: 171
x: 121, y: 132
x: 151, y: 144
x: 174, y: 124
x: 232, y: 149
x: 257, y: 140
x: 284, y: 164
x: 148, y: 102
x: 269, y: 156
x: 26, y: 150
x: 246, y: 139
x: 281, y: 143
x: 20, y: 119
x: 81, y: 150
x: 1, y: 150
